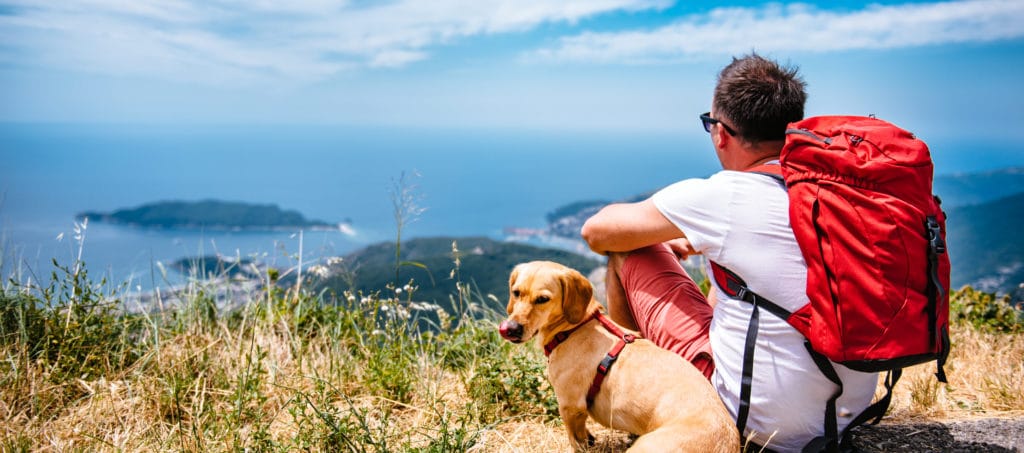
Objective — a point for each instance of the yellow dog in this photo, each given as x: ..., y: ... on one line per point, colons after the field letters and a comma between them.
x: 644, y: 390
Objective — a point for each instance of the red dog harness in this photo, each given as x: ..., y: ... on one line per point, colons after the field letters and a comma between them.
x: 607, y: 362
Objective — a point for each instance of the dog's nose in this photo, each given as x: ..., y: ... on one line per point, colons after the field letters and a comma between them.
x: 511, y: 330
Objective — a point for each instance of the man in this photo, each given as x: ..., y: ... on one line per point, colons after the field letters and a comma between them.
x: 739, y: 220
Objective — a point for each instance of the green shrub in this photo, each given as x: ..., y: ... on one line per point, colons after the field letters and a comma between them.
x: 71, y: 327
x: 985, y: 311
x: 511, y: 383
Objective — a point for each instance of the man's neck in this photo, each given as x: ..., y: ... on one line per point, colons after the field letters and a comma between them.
x: 762, y: 161
x: 752, y: 157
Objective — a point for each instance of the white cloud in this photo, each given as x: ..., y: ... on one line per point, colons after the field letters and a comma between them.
x: 775, y: 28
x: 262, y: 40
x: 396, y: 58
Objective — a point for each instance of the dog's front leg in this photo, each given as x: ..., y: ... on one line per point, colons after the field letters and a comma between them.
x: 575, y: 420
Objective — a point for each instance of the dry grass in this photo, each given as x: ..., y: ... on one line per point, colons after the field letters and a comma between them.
x: 986, y: 379
x: 288, y: 373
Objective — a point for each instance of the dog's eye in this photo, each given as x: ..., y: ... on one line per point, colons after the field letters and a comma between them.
x: 515, y: 293
x: 541, y: 300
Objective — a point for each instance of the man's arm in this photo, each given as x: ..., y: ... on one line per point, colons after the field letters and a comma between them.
x: 625, y: 227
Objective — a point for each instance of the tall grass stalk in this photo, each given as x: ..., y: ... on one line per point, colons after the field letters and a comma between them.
x: 406, y: 208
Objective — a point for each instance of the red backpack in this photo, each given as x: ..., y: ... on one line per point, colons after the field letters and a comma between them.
x: 873, y: 237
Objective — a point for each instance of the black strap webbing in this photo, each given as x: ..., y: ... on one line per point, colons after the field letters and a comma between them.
x: 936, y: 247
x: 748, y: 370
x: 876, y: 410
x: 830, y: 442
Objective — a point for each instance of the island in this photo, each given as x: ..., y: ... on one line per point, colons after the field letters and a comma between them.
x: 208, y: 214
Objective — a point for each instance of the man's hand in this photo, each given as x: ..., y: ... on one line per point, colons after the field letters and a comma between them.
x: 681, y: 247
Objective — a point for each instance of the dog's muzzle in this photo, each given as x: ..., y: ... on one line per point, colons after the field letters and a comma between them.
x: 511, y: 331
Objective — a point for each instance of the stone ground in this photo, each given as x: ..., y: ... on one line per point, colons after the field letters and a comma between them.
x: 984, y: 435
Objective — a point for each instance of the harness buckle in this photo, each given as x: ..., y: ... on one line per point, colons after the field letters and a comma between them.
x: 606, y: 363
x: 742, y: 294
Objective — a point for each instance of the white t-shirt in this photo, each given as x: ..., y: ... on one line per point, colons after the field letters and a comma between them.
x: 741, y: 221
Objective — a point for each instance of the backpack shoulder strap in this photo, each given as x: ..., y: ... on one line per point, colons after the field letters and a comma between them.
x: 772, y: 169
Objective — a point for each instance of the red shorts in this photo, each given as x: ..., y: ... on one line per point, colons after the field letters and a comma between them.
x: 667, y: 305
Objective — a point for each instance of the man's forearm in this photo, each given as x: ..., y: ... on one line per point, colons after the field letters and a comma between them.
x: 624, y: 227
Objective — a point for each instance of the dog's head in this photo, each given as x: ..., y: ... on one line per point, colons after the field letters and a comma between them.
x: 543, y: 293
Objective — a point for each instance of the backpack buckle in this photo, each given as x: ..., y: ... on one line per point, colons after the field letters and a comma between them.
x: 935, y: 242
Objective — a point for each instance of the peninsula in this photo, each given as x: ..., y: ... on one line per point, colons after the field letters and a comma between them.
x: 207, y: 214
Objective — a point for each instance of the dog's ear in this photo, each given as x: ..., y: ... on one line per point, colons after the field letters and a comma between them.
x: 511, y: 281
x: 576, y: 294
x: 512, y: 277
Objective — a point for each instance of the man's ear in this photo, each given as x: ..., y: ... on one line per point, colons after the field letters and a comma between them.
x: 722, y: 136
x: 576, y: 294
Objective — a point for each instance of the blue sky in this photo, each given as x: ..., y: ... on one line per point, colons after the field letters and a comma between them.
x: 948, y: 70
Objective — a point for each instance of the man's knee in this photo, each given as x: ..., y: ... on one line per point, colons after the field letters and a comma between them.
x: 616, y: 260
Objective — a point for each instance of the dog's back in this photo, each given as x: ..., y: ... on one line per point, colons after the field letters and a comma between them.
x: 650, y: 392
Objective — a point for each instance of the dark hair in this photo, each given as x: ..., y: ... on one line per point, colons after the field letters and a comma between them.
x: 759, y: 98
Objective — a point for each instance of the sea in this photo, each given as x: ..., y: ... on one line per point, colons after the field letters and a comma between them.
x: 447, y: 182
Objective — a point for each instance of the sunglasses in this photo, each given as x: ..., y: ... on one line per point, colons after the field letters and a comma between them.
x: 707, y: 121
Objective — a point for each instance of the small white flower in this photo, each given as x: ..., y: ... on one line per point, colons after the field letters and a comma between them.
x: 398, y: 290
x: 320, y: 271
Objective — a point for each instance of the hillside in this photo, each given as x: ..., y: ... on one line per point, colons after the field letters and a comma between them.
x: 212, y: 214
x: 985, y: 244
x: 484, y: 263
x: 963, y: 189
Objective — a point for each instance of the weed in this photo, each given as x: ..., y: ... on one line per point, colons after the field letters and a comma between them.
x: 509, y: 384
x: 16, y: 444
x: 924, y: 391
x: 454, y: 431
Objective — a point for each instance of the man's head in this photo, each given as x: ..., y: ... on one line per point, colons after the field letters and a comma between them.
x: 757, y: 98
